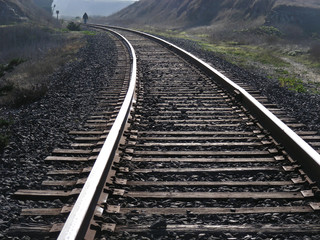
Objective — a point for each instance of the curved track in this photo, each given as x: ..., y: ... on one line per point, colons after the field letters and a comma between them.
x: 198, y: 164
x: 201, y: 159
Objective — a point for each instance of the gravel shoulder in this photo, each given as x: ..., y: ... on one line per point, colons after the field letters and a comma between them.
x: 40, y: 127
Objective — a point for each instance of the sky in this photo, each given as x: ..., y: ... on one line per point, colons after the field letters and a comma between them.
x: 92, y: 7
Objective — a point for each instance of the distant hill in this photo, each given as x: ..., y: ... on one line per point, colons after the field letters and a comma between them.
x: 12, y: 11
x: 226, y: 13
x: 76, y: 8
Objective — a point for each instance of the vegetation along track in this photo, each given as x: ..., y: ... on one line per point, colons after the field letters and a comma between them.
x: 199, y: 159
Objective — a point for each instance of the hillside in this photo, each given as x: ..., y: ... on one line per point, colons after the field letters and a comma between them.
x: 235, y: 13
x: 93, y: 8
x: 12, y: 11
x: 45, y: 4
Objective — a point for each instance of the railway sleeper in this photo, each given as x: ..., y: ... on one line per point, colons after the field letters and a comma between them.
x: 116, y: 209
x: 258, y: 228
x: 35, y: 230
x: 214, y: 195
x: 46, y: 194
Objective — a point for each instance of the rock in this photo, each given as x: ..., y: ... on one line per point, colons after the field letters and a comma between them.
x: 159, y: 224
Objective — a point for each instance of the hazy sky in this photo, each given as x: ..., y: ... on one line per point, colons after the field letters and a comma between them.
x: 92, y: 7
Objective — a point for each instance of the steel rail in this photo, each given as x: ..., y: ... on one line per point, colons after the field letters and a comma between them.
x: 79, y: 219
x: 294, y: 144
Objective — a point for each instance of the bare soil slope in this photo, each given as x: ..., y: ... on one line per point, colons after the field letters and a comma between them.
x: 244, y: 13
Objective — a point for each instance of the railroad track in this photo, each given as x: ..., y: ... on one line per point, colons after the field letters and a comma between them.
x: 199, y: 159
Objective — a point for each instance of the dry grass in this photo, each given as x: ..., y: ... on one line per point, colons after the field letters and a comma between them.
x: 265, y: 50
x: 26, y: 41
x: 28, y: 81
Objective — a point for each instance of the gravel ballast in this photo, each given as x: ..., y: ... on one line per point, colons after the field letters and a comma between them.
x: 40, y: 127
x: 157, y: 97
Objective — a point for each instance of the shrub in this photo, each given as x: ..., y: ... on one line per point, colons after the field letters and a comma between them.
x: 315, y: 35
x: 269, y: 30
x: 293, y: 84
x: 73, y: 26
x: 6, y: 88
x: 9, y: 67
x: 13, y: 63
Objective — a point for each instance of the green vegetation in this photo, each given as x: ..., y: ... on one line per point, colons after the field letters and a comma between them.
x: 308, y: 61
x: 269, y: 30
x: 263, y: 48
x: 73, y: 26
x: 13, y: 63
x: 76, y: 27
x: 233, y: 51
x: 89, y: 33
x: 169, y: 33
x: 292, y: 83
x: 244, y: 55
x: 288, y: 80
x: 316, y: 88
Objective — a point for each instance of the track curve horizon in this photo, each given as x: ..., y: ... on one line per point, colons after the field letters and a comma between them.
x: 191, y: 155
x: 198, y: 137
x: 292, y: 141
